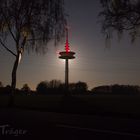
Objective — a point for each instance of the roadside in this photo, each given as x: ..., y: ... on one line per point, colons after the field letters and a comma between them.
x: 51, y: 124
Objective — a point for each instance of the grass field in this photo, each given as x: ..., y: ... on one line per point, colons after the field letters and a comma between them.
x: 117, y: 104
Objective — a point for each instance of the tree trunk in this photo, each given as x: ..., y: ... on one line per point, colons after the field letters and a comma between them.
x: 13, y: 83
x: 14, y: 73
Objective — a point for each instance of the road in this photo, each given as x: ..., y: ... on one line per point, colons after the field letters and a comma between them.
x: 50, y: 125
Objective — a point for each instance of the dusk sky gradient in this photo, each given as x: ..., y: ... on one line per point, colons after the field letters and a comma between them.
x: 94, y: 64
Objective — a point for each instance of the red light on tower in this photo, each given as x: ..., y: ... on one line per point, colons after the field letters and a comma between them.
x: 67, y: 42
x: 67, y: 54
x: 67, y: 47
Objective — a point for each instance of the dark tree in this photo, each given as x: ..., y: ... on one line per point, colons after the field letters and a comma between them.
x: 81, y: 86
x: 78, y: 88
x: 116, y: 90
x: 29, y: 24
x: 42, y: 87
x: 120, y: 16
x: 51, y: 87
x: 102, y: 89
x: 54, y: 84
x: 26, y: 88
x: 1, y: 85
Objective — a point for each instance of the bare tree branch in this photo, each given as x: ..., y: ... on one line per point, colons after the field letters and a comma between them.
x: 7, y: 48
x: 121, y: 15
x: 10, y: 30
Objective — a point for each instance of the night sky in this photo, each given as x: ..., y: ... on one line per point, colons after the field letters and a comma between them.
x: 95, y: 63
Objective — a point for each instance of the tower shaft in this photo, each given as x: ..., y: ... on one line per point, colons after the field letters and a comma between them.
x: 67, y: 73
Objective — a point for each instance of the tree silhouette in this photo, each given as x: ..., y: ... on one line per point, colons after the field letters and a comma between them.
x: 1, y: 85
x: 42, y: 87
x: 121, y: 15
x: 79, y: 87
x: 28, y: 23
x: 54, y: 84
x: 26, y: 88
x: 116, y: 89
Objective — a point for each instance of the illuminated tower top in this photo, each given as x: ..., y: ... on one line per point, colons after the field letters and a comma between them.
x: 67, y: 41
x: 67, y: 54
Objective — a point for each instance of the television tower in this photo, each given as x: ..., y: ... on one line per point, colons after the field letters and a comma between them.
x: 67, y: 54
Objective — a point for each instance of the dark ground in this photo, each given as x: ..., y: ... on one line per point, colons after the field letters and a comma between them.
x: 63, y: 126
